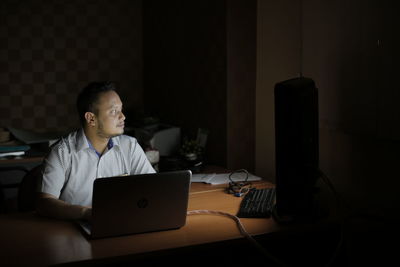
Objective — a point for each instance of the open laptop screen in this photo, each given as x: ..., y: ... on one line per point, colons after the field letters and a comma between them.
x: 139, y: 203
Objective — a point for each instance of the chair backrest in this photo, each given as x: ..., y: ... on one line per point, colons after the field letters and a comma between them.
x: 27, y: 189
x: 8, y: 206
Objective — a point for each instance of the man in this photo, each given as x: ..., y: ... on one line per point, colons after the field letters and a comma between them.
x: 97, y: 150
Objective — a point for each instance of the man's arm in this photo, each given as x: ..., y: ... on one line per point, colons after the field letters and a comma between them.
x: 50, y: 206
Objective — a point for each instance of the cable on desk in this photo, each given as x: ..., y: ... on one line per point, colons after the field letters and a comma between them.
x: 241, y: 229
x: 339, y: 202
x: 351, y: 212
x: 241, y: 188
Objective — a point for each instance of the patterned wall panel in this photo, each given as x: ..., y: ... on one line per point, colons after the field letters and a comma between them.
x: 49, y: 50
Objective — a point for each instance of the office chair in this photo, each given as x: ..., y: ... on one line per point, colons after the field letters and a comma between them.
x: 3, y: 206
x: 27, y: 189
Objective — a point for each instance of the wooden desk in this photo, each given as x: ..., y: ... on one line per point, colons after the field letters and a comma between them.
x: 34, y: 156
x: 20, y: 160
x: 27, y: 239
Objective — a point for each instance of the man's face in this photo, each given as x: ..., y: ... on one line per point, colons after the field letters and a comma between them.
x: 109, y: 117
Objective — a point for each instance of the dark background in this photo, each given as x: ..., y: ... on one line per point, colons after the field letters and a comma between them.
x: 214, y: 64
x: 189, y: 63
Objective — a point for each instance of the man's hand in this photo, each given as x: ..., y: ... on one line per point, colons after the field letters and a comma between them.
x: 87, y: 213
x: 50, y: 206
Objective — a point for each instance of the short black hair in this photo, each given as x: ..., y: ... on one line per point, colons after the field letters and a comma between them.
x: 88, y: 97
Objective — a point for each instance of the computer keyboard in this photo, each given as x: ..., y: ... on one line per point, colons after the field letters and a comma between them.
x: 257, y: 203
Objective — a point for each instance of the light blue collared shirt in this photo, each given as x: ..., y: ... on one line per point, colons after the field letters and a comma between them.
x: 72, y: 166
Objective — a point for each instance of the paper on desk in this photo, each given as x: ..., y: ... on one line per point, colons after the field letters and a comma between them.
x: 202, y: 177
x: 15, y: 153
x: 222, y: 178
x: 31, y: 137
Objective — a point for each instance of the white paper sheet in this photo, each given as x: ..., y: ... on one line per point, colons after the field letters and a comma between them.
x: 222, y: 178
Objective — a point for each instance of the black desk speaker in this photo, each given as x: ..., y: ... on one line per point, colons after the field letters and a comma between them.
x: 296, y: 147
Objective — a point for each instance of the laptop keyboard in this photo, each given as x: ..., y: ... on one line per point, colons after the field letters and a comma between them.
x: 257, y: 203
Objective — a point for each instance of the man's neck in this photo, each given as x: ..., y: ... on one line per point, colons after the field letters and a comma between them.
x: 98, y: 143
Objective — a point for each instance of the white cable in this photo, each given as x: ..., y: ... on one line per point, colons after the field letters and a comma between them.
x: 241, y: 229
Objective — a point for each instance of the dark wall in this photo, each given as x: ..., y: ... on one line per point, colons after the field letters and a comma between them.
x: 199, y: 72
x: 185, y: 68
x: 49, y: 50
x: 351, y: 50
x: 241, y: 83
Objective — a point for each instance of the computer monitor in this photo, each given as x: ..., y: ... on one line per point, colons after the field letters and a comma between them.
x: 296, y: 148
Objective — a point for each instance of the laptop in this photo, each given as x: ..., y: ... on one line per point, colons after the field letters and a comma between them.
x: 142, y: 203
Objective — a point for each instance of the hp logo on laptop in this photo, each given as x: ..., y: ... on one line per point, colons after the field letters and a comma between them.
x: 142, y: 203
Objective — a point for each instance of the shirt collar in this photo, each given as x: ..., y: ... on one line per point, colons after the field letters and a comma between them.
x: 83, y: 142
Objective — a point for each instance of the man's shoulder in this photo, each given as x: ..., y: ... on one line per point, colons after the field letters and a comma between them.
x: 67, y: 142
